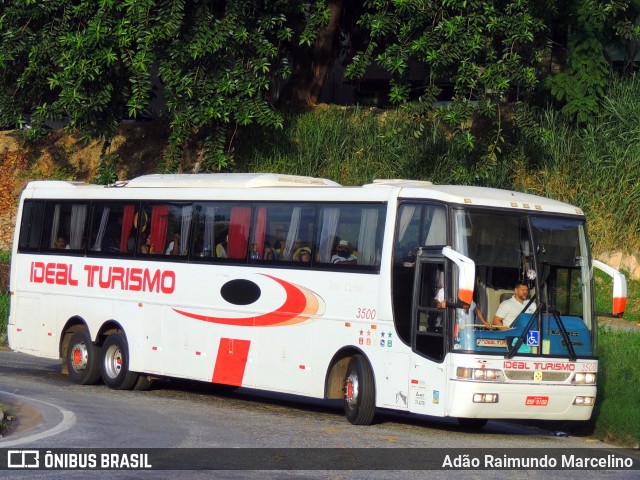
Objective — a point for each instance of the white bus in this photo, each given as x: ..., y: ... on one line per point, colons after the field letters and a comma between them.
x: 300, y: 285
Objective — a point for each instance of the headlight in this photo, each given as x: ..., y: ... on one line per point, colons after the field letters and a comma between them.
x: 587, y: 378
x: 485, y: 398
x: 479, y: 373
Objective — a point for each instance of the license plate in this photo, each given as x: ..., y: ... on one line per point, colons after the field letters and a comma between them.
x: 536, y: 401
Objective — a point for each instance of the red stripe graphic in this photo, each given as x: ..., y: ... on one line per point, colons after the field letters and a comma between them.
x: 298, y: 301
x: 231, y: 361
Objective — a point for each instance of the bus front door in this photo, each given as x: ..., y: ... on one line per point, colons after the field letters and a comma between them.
x: 427, y: 376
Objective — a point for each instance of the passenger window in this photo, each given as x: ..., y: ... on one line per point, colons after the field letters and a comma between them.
x: 351, y: 234
x: 163, y: 229
x: 114, y: 228
x: 221, y: 231
x: 65, y: 226
x: 283, y: 233
x: 31, y: 225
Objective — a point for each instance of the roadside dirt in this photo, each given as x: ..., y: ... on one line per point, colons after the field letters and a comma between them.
x: 135, y: 150
x: 23, y: 417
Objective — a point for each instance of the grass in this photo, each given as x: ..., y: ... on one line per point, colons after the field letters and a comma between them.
x: 5, y: 419
x: 616, y: 414
x: 351, y: 146
x: 593, y: 165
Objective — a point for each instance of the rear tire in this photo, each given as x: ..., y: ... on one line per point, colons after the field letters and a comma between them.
x: 115, y: 363
x: 359, y: 392
x: 83, y: 359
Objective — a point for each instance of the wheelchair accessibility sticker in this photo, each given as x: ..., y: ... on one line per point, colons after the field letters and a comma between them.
x: 533, y: 338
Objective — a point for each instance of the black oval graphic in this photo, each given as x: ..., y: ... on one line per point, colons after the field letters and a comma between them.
x: 240, y: 292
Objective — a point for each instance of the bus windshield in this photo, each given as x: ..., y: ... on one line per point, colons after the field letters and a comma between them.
x: 550, y: 256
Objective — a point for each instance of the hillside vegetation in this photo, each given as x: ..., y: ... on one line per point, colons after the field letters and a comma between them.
x: 593, y: 166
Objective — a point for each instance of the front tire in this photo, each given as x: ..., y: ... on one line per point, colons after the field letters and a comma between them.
x: 359, y: 392
x: 83, y: 359
x: 115, y: 363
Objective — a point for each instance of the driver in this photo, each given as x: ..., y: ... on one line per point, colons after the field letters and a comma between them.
x: 512, y: 307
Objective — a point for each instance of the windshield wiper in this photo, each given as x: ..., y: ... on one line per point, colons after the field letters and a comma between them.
x: 537, y: 317
x: 565, y: 335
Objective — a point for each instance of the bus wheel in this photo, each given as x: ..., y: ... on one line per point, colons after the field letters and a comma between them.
x: 115, y: 363
x: 143, y: 383
x: 83, y: 359
x: 472, y: 423
x: 359, y: 392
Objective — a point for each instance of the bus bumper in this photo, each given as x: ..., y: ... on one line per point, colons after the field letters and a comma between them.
x: 521, y: 401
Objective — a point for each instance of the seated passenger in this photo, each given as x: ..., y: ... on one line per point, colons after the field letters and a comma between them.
x: 145, y: 244
x: 439, y: 300
x: 61, y: 243
x: 303, y: 255
x: 512, y: 307
x: 281, y: 246
x: 174, y: 245
x: 268, y: 253
x: 221, y: 248
x: 343, y: 254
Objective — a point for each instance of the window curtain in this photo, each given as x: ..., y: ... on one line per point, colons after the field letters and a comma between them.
x: 185, y: 228
x: 367, y: 236
x: 127, y: 225
x: 209, y: 241
x: 437, y: 234
x: 330, y: 217
x: 239, y: 232
x: 260, y: 230
x: 408, y: 211
x: 460, y: 237
x: 55, y: 226
x: 159, y: 223
x: 294, y: 231
x: 97, y: 246
x: 78, y: 219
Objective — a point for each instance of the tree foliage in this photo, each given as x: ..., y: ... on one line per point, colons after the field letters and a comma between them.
x: 595, y: 28
x: 93, y: 62
x: 221, y: 64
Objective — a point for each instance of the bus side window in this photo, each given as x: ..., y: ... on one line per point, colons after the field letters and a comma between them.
x: 283, y: 232
x: 65, y: 226
x: 178, y: 229
x: 165, y: 229
x: 31, y: 225
x: 352, y: 233
x: 112, y: 228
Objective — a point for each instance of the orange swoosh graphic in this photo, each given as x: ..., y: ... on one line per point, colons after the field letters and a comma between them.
x: 298, y: 306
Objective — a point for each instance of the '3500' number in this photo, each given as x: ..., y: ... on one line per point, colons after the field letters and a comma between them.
x: 366, y: 313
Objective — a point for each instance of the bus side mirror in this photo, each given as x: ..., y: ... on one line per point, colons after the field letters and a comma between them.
x: 619, y: 287
x: 466, y: 275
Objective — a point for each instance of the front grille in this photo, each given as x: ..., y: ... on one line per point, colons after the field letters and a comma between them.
x: 528, y: 376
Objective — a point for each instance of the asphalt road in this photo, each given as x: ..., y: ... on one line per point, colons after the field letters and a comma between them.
x: 54, y: 413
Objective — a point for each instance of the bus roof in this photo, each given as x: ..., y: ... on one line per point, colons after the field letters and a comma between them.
x: 379, y: 190
x: 228, y: 180
x: 493, y: 197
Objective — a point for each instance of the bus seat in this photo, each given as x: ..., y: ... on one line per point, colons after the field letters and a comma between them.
x: 505, y: 296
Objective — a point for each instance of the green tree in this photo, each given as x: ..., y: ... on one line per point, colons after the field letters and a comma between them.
x: 484, y: 48
x: 595, y: 30
x: 222, y: 64
x: 91, y: 62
